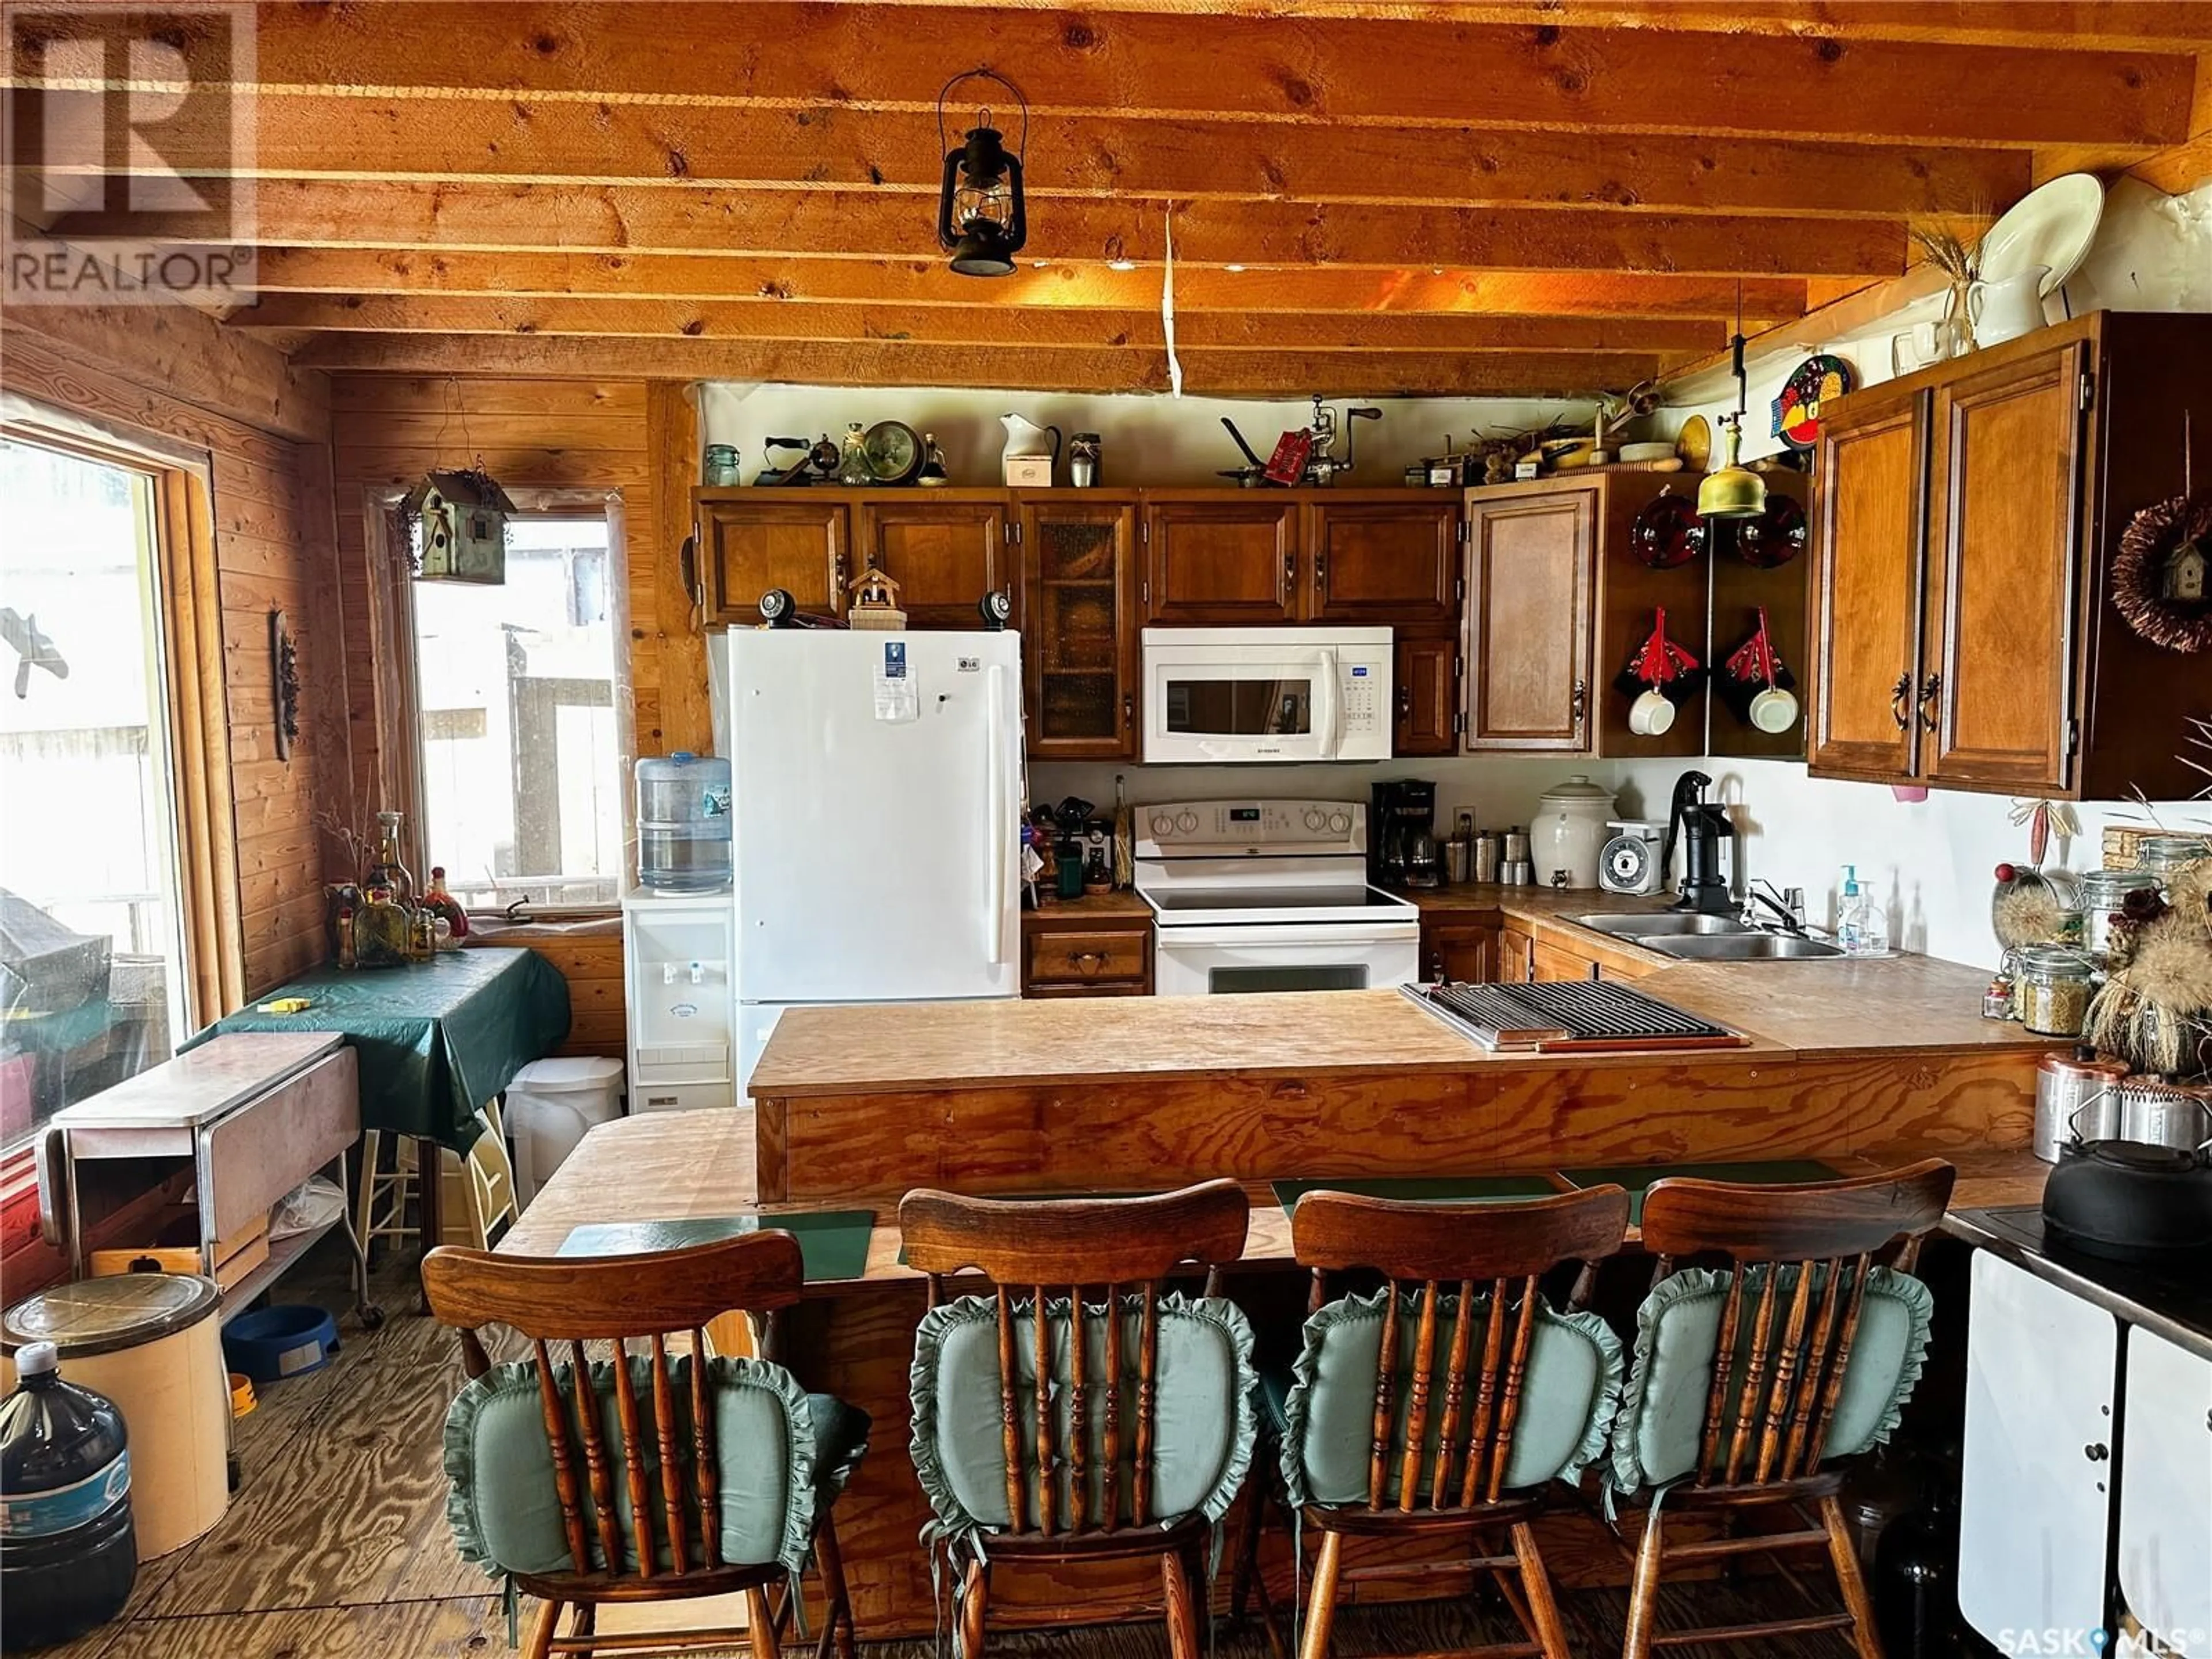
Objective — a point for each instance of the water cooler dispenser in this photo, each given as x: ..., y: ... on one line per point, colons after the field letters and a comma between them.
x: 677, y: 957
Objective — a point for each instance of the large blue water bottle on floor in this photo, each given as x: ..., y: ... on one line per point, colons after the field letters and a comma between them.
x: 67, y: 1552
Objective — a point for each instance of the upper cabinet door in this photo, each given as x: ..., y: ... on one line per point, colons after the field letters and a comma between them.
x: 944, y: 555
x: 1868, y: 549
x: 1384, y: 562
x: 1531, y: 562
x: 1995, y: 694
x: 1428, y: 695
x: 784, y: 541
x: 1080, y: 628
x: 1208, y: 562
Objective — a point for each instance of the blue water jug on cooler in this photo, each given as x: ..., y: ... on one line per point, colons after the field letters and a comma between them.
x: 67, y: 1554
x: 684, y: 823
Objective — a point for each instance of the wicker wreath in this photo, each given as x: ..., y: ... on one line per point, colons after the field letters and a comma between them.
x: 2152, y: 537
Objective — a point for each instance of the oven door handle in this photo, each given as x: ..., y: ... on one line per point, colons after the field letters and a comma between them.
x: 1329, y: 725
x: 1344, y: 935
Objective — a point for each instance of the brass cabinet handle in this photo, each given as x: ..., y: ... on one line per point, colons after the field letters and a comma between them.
x: 1128, y: 710
x: 1077, y: 960
x: 1320, y: 571
x: 1930, y: 709
x: 837, y: 581
x: 1582, y: 705
x: 1898, y: 696
x: 1290, y: 575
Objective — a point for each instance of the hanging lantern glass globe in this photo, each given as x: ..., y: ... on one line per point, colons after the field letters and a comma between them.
x: 981, y: 219
x: 1734, y: 490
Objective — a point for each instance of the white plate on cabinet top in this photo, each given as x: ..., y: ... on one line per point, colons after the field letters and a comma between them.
x: 2051, y: 225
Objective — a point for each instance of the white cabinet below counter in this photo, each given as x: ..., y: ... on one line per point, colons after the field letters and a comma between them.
x: 2166, y: 1493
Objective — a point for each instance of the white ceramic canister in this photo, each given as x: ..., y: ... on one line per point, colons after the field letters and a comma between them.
x: 1573, y: 820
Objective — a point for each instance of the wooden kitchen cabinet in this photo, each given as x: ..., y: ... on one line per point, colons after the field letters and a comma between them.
x: 1531, y: 564
x: 1457, y: 949
x: 945, y: 549
x: 1394, y: 561
x: 1549, y: 965
x: 753, y: 540
x: 1093, y: 946
x: 1426, y: 672
x: 1966, y: 518
x: 1080, y: 626
x: 1210, y: 562
x: 1517, y: 956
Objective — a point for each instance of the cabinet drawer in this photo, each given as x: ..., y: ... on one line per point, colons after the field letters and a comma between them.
x: 1111, y: 987
x: 1078, y: 958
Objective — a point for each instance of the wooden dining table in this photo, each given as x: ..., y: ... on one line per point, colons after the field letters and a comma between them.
x: 854, y: 1335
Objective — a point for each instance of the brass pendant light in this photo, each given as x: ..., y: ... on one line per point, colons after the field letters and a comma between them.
x: 1734, y: 490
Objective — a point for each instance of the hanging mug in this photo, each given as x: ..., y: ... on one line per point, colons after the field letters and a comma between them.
x: 1774, y: 711
x: 1651, y: 715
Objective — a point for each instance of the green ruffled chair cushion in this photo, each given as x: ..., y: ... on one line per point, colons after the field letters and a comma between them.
x: 780, y: 1454
x: 1662, y: 1416
x: 1568, y: 1396
x: 1204, y: 1424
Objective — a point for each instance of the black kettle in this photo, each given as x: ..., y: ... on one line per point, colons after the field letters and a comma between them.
x: 2128, y: 1200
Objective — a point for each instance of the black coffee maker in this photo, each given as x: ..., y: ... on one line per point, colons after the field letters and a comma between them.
x: 1702, y: 825
x: 1402, y: 808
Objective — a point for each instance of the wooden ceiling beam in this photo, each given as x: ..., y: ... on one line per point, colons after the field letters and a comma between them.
x: 1040, y: 368
x: 976, y: 324
x: 1318, y: 70
x: 2099, y: 25
x: 527, y: 141
x: 637, y: 220
x: 1086, y: 285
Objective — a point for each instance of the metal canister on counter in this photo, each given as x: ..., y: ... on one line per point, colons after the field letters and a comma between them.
x: 1519, y: 872
x: 1459, y: 859
x: 1488, y: 856
x: 2076, y: 1099
x: 1517, y: 845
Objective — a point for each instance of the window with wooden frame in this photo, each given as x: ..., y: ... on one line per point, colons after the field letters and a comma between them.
x: 518, y: 693
x: 119, y: 900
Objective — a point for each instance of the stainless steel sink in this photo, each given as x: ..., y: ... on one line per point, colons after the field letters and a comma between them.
x: 1659, y: 924
x: 1743, y: 947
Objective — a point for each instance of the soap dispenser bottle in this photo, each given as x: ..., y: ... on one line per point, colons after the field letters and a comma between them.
x: 1863, y: 926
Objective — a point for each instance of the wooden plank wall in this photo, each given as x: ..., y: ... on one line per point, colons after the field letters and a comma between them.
x: 173, y: 375
x: 636, y: 438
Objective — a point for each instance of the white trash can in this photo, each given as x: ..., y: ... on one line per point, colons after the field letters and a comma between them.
x: 551, y: 1106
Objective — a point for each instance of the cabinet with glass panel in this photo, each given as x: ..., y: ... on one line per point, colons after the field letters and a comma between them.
x: 1079, y: 646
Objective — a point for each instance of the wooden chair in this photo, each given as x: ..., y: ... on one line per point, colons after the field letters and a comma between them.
x: 655, y: 1297
x: 1065, y: 1248
x: 1430, y: 1251
x: 1767, y: 1452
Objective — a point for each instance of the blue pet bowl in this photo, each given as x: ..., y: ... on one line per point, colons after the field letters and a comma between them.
x: 277, y: 1342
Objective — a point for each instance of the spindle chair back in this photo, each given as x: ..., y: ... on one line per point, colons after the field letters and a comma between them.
x: 664, y: 1300
x: 1085, y: 1250
x: 1429, y: 1254
x: 1797, y: 1260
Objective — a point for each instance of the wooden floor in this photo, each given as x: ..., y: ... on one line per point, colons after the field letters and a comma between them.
x: 337, y: 1545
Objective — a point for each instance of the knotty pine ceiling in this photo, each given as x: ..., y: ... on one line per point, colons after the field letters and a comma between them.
x: 1366, y: 198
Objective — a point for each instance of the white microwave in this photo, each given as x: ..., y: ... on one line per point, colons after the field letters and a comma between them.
x: 1220, y: 695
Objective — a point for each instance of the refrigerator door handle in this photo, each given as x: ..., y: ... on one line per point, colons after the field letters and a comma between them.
x: 995, y: 835
x: 1328, y: 726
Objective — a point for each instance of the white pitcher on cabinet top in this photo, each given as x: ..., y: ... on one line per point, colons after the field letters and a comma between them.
x: 2007, y: 309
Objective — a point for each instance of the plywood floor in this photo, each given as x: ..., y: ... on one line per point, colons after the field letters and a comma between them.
x: 336, y: 1547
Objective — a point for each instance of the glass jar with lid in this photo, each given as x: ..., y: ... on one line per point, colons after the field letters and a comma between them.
x: 2103, y: 896
x: 2052, y: 993
x: 2162, y: 855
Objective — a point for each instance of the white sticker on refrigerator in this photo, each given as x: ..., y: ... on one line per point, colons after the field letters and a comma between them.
x: 898, y: 698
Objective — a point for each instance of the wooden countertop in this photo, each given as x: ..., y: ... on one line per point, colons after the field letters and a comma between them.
x: 668, y: 1166
x: 1122, y: 907
x: 1821, y: 1008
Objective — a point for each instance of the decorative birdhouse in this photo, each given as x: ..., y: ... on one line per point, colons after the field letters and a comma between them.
x: 2185, y: 574
x: 875, y: 603
x: 458, y: 528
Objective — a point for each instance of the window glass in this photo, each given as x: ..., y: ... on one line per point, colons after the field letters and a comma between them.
x: 92, y: 966
x: 522, y: 785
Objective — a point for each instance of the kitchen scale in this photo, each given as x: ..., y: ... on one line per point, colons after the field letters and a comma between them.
x: 1629, y: 862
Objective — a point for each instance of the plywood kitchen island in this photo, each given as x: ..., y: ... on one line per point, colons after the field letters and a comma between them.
x: 1116, y: 1094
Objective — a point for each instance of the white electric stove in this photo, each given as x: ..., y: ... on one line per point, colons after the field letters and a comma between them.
x: 1269, y: 896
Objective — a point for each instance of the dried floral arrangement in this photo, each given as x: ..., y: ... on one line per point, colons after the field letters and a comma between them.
x: 2155, y: 1010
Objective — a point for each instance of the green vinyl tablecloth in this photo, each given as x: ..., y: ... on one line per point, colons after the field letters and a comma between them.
x: 437, y: 1039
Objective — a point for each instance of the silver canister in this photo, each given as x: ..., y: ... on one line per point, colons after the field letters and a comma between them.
x: 1459, y: 859
x: 1517, y: 845
x: 2076, y: 1100
x: 2162, y: 1115
x: 1488, y: 856
x: 1519, y: 872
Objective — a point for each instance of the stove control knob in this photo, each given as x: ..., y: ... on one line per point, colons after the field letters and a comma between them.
x: 1188, y: 822
x: 1339, y: 823
x: 1315, y: 819
x: 1163, y: 825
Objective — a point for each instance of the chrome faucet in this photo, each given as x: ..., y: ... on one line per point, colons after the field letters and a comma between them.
x: 1787, y: 904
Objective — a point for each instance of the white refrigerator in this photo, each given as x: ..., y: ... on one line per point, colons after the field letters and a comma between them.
x: 876, y: 816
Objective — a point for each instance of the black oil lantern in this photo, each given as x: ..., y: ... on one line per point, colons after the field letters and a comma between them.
x: 980, y: 220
